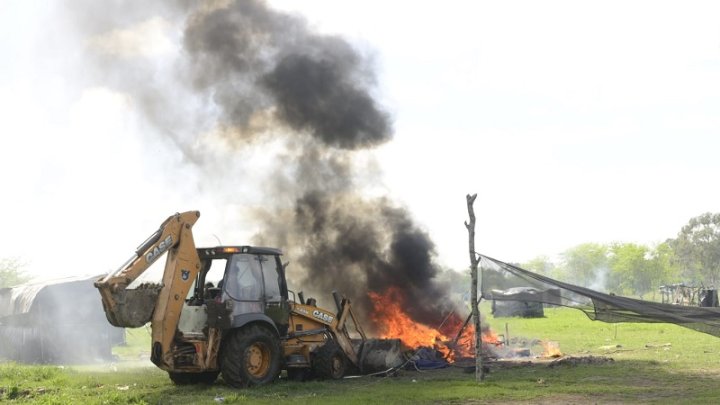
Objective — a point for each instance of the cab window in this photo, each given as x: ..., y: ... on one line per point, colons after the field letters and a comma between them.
x: 244, y: 278
x: 215, y: 273
x: 271, y: 278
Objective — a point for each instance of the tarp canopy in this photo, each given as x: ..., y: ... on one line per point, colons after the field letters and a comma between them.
x: 498, y: 277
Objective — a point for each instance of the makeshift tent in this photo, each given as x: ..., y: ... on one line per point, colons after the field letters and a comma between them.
x: 60, y: 321
x: 497, y: 276
x: 513, y: 304
x: 689, y: 295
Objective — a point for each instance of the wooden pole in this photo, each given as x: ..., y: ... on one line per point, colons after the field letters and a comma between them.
x: 479, y: 375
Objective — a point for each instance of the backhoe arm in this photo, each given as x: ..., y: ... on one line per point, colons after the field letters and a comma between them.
x: 134, y: 308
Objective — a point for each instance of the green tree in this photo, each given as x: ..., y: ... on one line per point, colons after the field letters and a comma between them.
x: 11, y: 272
x: 586, y: 265
x: 541, y: 265
x: 697, y: 247
x: 632, y: 271
x: 664, y: 264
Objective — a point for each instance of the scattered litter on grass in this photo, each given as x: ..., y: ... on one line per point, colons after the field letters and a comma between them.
x: 218, y: 398
x: 15, y: 392
x: 574, y: 361
x: 123, y: 387
x: 658, y: 346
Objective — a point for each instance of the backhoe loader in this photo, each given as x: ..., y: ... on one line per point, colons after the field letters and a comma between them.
x: 227, y: 309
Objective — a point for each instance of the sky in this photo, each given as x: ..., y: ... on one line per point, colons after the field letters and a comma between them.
x: 573, y: 121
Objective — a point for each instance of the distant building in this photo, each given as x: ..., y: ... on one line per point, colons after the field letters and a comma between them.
x: 60, y: 321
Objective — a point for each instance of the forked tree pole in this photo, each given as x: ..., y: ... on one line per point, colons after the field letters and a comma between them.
x: 479, y: 375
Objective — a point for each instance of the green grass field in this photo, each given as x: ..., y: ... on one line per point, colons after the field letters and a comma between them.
x: 653, y: 363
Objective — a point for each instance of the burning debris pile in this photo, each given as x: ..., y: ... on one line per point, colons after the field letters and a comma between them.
x: 393, y: 321
x: 452, y: 341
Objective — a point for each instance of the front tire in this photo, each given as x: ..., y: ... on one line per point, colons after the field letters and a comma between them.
x: 250, y: 356
x: 330, y: 362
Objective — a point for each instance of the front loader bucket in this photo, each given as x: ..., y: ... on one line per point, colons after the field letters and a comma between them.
x: 133, y: 308
x: 378, y: 355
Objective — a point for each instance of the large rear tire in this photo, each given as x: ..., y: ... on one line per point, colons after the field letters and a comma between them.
x: 250, y: 356
x: 330, y: 362
x: 207, y: 377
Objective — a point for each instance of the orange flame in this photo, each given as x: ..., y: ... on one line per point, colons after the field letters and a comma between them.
x: 551, y: 349
x: 465, y: 346
x: 393, y: 322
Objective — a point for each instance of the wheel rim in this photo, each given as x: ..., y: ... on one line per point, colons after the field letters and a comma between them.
x: 257, y: 360
x: 337, y: 366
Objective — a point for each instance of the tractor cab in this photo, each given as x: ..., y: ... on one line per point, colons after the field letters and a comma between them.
x: 249, y: 282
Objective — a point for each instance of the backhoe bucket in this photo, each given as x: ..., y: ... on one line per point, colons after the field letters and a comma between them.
x: 133, y: 308
x: 377, y: 355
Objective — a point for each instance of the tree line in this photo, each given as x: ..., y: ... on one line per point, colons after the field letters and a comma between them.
x: 632, y: 269
x: 11, y: 272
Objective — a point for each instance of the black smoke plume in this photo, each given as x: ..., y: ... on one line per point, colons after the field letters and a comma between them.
x: 259, y: 76
x: 355, y: 245
x: 254, y: 60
